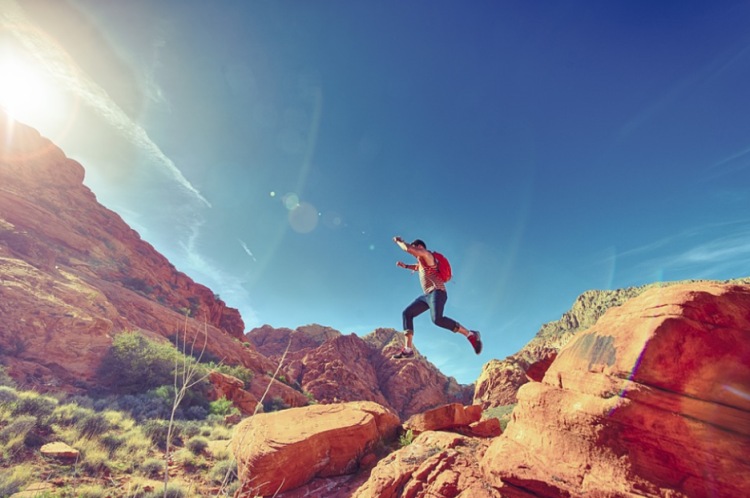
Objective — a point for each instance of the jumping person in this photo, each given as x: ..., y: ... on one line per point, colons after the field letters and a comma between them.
x: 434, y: 298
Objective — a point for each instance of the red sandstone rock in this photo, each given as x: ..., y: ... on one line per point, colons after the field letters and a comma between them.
x: 434, y: 464
x: 60, y: 451
x: 486, y: 428
x: 283, y: 450
x: 650, y: 401
x: 333, y: 368
x: 443, y: 418
x: 232, y: 388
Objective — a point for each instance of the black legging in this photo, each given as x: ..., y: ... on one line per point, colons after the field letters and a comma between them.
x: 435, y: 302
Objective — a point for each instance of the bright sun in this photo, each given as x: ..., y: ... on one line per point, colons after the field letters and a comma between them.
x: 23, y: 91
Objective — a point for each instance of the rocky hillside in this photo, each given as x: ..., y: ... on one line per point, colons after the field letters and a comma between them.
x: 73, y: 274
x: 337, y: 368
x: 500, y: 379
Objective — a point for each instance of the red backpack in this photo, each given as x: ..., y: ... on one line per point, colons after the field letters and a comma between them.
x: 443, y: 266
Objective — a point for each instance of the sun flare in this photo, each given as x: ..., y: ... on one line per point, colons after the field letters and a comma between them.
x: 23, y: 90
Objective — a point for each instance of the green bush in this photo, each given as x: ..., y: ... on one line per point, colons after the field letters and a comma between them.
x: 112, y: 441
x: 157, y: 431
x: 173, y: 491
x: 502, y: 413
x: 5, y: 379
x: 223, y: 472
x: 93, y: 425
x: 197, y: 445
x: 152, y: 467
x: 238, y: 371
x: 136, y: 364
x: 221, y: 406
x: 19, y: 426
x: 13, y: 479
x: 8, y: 395
x: 31, y: 403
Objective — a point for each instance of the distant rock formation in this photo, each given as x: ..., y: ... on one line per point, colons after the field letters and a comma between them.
x: 73, y: 274
x: 336, y: 368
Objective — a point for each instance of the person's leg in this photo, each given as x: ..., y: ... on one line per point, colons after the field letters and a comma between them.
x: 437, y: 300
x: 416, y: 308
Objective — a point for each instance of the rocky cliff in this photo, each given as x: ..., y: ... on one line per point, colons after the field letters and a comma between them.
x: 338, y: 368
x: 73, y: 274
x: 500, y: 380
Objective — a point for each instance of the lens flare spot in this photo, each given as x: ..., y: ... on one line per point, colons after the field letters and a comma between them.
x: 291, y: 201
x: 303, y: 218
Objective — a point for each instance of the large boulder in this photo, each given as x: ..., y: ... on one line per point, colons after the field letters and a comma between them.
x: 444, y: 417
x: 434, y: 464
x: 652, y: 400
x: 279, y: 451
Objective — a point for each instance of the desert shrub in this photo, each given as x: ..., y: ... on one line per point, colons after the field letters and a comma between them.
x: 194, y: 405
x: 157, y: 431
x: 8, y: 395
x: 406, y: 438
x: 93, y: 425
x: 15, y: 436
x: 195, y: 412
x: 173, y: 491
x: 238, y: 371
x: 221, y: 406
x: 502, y: 413
x: 134, y: 450
x: 189, y: 461
x: 112, y: 442
x: 136, y: 364
x: 96, y: 462
x: 34, y: 404
x: 14, y: 479
x: 19, y: 426
x: 219, y: 432
x: 152, y: 467
x: 190, y: 428
x: 223, y: 472
x: 197, y: 445
x: 69, y: 414
x: 275, y: 404
x: 5, y: 379
x: 143, y: 406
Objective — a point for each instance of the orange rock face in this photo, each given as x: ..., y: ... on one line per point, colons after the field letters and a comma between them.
x: 434, y: 464
x: 444, y: 417
x: 652, y: 400
x: 284, y: 450
x: 334, y: 368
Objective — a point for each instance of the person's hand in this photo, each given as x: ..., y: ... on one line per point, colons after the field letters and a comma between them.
x: 401, y: 264
x: 397, y: 239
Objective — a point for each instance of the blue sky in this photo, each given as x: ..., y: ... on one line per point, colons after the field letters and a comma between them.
x: 272, y: 149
